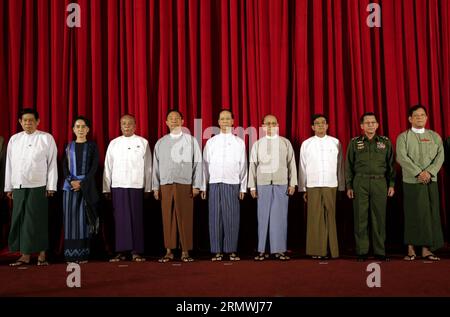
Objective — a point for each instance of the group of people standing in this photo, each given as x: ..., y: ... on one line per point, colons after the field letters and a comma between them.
x: 177, y: 172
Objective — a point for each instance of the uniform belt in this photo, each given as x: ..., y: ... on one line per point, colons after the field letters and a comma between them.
x: 370, y: 176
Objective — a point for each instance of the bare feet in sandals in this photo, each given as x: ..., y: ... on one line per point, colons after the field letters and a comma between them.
x: 137, y: 258
x: 234, y: 257
x: 282, y: 257
x: 427, y: 255
x: 431, y: 257
x: 411, y: 256
x: 167, y: 258
x: 260, y: 257
x: 41, y: 260
x: 23, y: 260
x: 119, y: 257
x: 185, y: 257
x: 217, y: 257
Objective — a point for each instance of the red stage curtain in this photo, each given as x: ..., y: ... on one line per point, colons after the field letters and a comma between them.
x: 290, y: 58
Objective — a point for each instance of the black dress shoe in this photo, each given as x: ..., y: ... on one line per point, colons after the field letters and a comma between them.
x: 362, y: 258
x: 382, y: 258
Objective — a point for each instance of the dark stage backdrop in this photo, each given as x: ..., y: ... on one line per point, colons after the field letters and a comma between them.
x: 289, y: 58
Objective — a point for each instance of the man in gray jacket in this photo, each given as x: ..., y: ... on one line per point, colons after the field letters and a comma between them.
x: 177, y: 179
x: 272, y: 178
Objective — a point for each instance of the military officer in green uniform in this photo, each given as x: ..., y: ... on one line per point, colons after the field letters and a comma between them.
x: 370, y: 177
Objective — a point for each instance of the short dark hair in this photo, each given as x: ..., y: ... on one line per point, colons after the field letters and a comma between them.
x: 86, y: 121
x: 29, y: 111
x: 174, y: 110
x: 318, y: 115
x: 268, y: 115
x: 228, y: 110
x: 128, y: 115
x: 415, y: 108
x: 367, y: 114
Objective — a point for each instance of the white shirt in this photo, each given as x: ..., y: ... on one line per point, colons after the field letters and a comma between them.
x: 420, y: 131
x: 321, y: 163
x: 31, y: 161
x: 224, y: 161
x: 175, y: 136
x: 128, y: 164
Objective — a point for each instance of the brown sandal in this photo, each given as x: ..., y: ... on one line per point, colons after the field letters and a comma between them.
x: 166, y: 258
x: 19, y: 263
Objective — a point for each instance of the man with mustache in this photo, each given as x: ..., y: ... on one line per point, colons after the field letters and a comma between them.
x: 370, y: 177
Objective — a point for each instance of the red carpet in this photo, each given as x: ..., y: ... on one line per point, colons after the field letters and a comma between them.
x: 247, y: 278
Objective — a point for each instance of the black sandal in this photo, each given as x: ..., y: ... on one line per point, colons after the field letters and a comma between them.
x: 119, y: 257
x: 260, y: 257
x: 431, y: 257
x: 409, y: 257
x: 187, y: 258
x: 137, y: 258
x: 281, y: 256
x: 234, y: 257
x: 217, y: 257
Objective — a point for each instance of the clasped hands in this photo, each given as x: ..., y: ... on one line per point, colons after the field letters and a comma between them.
x: 424, y: 177
x: 75, y: 185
